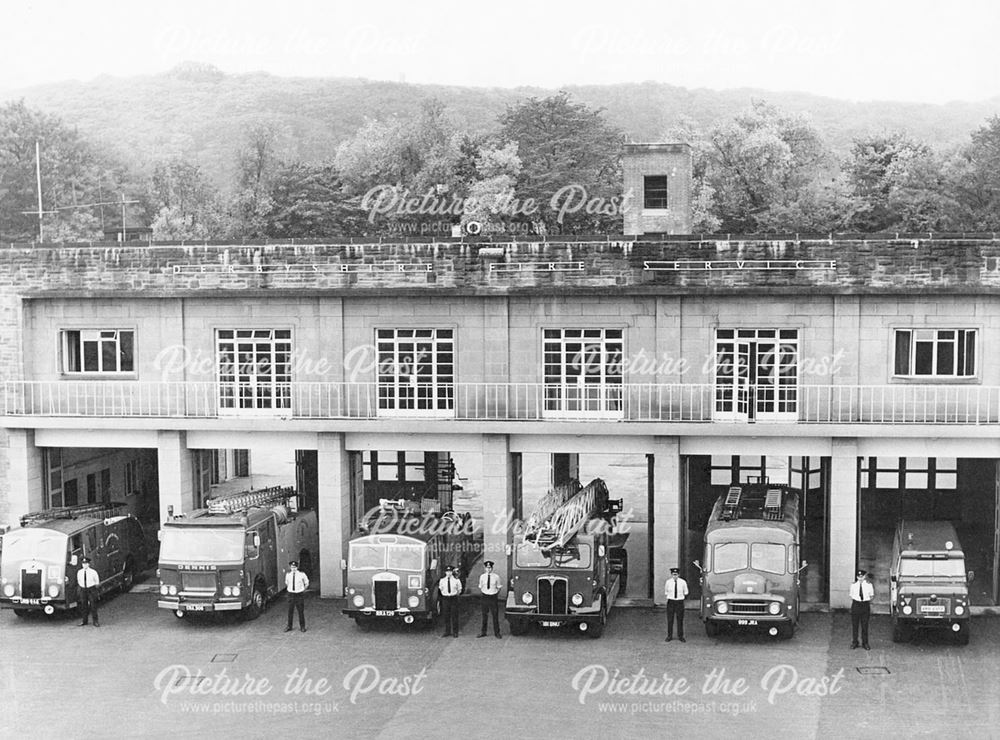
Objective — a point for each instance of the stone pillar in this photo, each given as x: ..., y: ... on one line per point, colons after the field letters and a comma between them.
x: 25, y: 487
x: 667, y: 514
x: 843, y: 520
x: 176, y: 473
x: 497, y: 502
x: 334, y: 501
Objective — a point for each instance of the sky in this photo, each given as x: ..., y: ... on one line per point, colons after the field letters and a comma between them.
x: 918, y: 51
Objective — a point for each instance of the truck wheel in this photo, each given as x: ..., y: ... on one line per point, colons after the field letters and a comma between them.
x: 22, y: 613
x: 786, y: 631
x: 901, y: 633
x: 257, y: 602
x: 364, y: 623
x: 711, y: 628
x: 963, y: 635
x: 518, y: 626
x: 128, y: 577
x: 595, y: 627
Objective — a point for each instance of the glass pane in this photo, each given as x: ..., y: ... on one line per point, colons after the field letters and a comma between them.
x: 902, y: 365
x: 924, y: 359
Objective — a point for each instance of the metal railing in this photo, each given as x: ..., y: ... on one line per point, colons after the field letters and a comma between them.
x: 684, y: 402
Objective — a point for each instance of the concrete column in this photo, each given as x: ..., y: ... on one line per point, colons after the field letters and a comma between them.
x: 175, y: 471
x: 25, y: 487
x: 497, y: 500
x: 843, y: 520
x: 667, y: 513
x: 334, y: 512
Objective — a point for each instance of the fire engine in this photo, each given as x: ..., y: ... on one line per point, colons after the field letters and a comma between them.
x: 750, y: 576
x: 232, y: 556
x: 393, y: 567
x: 39, y: 561
x: 929, y: 583
x: 568, y: 564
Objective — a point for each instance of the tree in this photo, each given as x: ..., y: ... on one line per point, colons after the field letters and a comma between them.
x: 257, y: 161
x: 308, y: 202
x: 877, y: 167
x: 567, y: 151
x: 973, y: 176
x: 186, y: 204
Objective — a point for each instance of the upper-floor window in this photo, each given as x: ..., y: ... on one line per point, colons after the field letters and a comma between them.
x: 946, y: 353
x: 416, y: 370
x: 654, y: 192
x: 98, y: 350
x: 254, y: 368
x: 583, y: 370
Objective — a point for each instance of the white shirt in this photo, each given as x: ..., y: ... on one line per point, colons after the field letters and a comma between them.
x: 87, y: 578
x: 676, y: 588
x: 450, y: 586
x: 296, y: 581
x: 489, y: 584
x: 862, y: 591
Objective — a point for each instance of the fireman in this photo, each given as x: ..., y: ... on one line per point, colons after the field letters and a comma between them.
x: 489, y: 586
x: 296, y: 582
x: 88, y: 580
x: 862, y: 594
x: 676, y: 591
x: 449, y: 588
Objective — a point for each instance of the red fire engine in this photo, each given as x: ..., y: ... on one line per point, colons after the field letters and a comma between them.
x: 39, y: 561
x: 569, y: 564
x: 234, y: 554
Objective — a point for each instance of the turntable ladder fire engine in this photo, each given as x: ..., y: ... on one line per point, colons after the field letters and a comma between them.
x: 565, y: 522
x: 232, y: 503
x: 747, y: 501
x: 548, y: 505
x: 96, y: 511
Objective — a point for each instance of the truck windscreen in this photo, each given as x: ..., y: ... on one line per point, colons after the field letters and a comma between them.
x: 201, y: 545
x: 529, y: 556
x: 944, y: 567
x: 405, y: 557
x: 767, y: 557
x: 34, y: 544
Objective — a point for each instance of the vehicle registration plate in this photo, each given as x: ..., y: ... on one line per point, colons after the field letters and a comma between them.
x: 936, y: 608
x: 551, y: 624
x: 746, y: 622
x: 383, y: 613
x: 195, y: 607
x: 29, y: 601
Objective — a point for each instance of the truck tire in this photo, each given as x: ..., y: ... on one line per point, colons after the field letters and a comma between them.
x: 364, y: 623
x: 518, y: 625
x: 711, y: 628
x: 22, y: 613
x: 128, y: 576
x: 901, y: 632
x: 257, y: 603
x: 786, y: 631
x: 963, y: 635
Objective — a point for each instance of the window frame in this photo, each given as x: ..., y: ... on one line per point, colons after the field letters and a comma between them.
x: 68, y: 353
x: 276, y: 388
x: 568, y: 394
x: 659, y: 199
x: 417, y: 393
x: 960, y: 345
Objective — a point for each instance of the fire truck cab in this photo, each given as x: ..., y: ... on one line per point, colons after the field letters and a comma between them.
x: 569, y: 564
x: 928, y: 581
x: 39, y: 561
x: 233, y: 555
x: 750, y: 574
x: 393, y: 568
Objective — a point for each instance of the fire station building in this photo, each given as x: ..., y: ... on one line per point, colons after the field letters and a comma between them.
x: 864, y: 373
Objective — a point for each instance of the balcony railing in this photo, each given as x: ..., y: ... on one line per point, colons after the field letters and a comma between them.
x: 814, y: 404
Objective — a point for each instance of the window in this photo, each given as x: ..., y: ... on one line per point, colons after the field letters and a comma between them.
x: 583, y: 370
x: 730, y: 556
x: 254, y: 368
x: 131, y: 485
x: 70, y: 493
x: 767, y: 557
x: 392, y: 466
x: 756, y: 373
x: 942, y: 353
x: 654, y: 192
x: 98, y: 350
x: 52, y: 461
x: 910, y: 473
x: 416, y: 370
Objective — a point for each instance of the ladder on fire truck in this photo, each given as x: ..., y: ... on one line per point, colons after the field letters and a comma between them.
x: 548, y: 505
x: 738, y: 501
x: 566, y: 521
x: 237, y: 501
x: 97, y: 511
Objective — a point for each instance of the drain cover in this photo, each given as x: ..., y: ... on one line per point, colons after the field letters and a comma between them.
x: 873, y: 670
x: 224, y: 657
x: 183, y: 681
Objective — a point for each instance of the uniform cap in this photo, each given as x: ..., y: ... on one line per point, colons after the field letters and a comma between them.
x: 449, y: 567
x: 86, y: 560
x: 675, y: 570
x: 862, y: 572
x: 294, y: 562
x: 489, y: 563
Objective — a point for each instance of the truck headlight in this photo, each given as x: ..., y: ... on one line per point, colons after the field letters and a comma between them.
x: 8, y: 590
x: 774, y: 607
x: 723, y: 607
x: 907, y: 609
x: 959, y: 610
x: 53, y: 591
x: 163, y: 589
x: 172, y: 590
x: 526, y: 597
x: 359, y: 600
x: 413, y: 601
x: 577, y: 599
x: 227, y: 591
x: 236, y: 590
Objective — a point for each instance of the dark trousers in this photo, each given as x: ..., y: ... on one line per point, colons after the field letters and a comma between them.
x: 490, y: 607
x: 449, y: 610
x: 88, y: 605
x: 675, y: 611
x: 861, y: 612
x: 296, y: 601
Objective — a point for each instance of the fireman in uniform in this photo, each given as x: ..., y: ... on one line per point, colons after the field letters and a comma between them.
x: 449, y: 588
x: 676, y: 591
x: 862, y: 594
x: 296, y: 582
x: 88, y: 581
x: 489, y: 586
